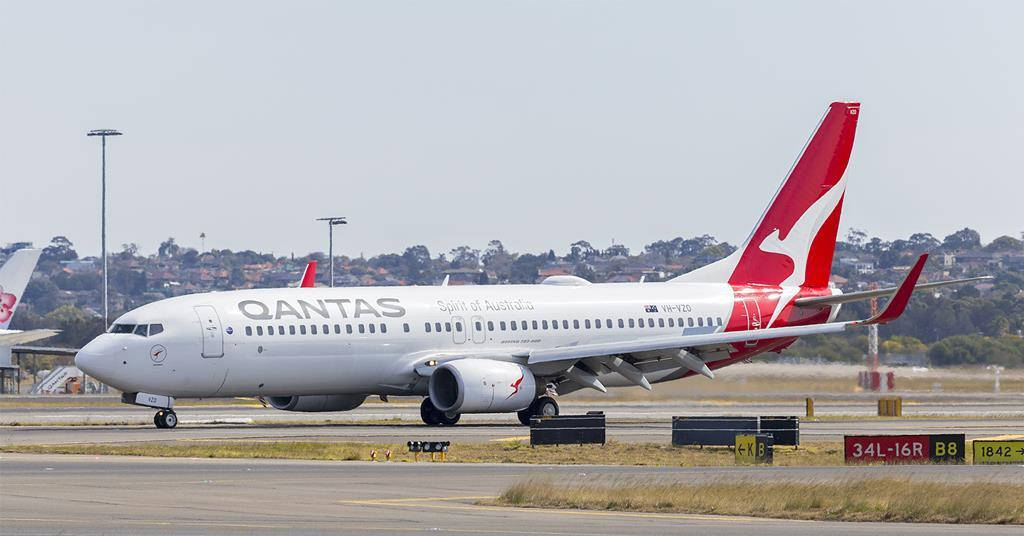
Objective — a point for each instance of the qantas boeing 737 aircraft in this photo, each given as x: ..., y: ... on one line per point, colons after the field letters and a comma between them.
x: 504, y: 348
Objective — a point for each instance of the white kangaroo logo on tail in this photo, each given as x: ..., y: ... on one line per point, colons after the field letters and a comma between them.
x: 797, y: 243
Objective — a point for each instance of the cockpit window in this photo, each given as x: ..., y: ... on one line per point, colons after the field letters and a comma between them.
x: 138, y: 329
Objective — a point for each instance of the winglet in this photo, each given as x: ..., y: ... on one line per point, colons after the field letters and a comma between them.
x: 899, y: 300
x: 309, y: 276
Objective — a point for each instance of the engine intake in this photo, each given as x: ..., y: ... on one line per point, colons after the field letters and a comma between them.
x: 481, y: 386
x: 314, y: 403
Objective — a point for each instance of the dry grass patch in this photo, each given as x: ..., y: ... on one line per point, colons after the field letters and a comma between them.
x: 884, y: 499
x: 613, y: 453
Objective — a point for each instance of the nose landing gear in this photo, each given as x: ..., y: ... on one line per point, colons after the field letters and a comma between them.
x: 165, y: 418
x: 544, y: 406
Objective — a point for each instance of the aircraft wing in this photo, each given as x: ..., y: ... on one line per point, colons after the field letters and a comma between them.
x: 12, y: 337
x: 563, y: 357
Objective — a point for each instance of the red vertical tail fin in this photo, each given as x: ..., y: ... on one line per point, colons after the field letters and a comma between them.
x: 793, y: 243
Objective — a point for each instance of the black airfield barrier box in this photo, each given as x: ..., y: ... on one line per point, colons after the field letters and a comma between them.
x: 568, y: 429
x: 721, y: 431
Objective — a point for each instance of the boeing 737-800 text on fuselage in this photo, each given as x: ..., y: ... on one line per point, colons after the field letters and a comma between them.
x: 503, y: 348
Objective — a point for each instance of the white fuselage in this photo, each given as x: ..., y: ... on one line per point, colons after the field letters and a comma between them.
x: 219, y: 343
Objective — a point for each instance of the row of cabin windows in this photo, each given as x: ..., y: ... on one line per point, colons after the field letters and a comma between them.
x: 502, y: 325
x: 323, y: 329
x: 597, y: 323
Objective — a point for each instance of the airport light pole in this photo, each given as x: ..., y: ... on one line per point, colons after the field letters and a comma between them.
x: 103, y: 133
x: 331, y: 222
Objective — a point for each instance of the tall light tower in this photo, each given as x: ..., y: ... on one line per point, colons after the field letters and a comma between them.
x: 103, y: 133
x: 331, y: 222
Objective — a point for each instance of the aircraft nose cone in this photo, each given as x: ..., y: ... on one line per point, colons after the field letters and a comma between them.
x: 93, y: 357
x: 86, y: 361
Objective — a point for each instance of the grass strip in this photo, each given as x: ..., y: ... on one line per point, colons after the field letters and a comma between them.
x: 614, y: 453
x: 882, y: 499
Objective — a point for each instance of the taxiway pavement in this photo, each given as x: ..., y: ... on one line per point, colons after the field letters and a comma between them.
x: 120, y: 495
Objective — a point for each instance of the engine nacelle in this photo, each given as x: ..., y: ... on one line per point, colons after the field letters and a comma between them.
x: 482, y: 386
x: 317, y: 402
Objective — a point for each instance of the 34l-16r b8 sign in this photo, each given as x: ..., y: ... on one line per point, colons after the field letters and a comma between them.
x: 944, y: 448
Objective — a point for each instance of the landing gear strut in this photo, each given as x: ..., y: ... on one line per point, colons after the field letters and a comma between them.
x: 165, y: 418
x: 435, y: 417
x: 544, y: 406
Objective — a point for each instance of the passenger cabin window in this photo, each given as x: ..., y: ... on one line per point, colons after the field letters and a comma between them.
x: 632, y: 323
x: 575, y: 324
x: 327, y: 329
x: 248, y: 330
x: 689, y: 322
x: 383, y: 327
x: 671, y: 322
x: 661, y: 322
x: 426, y: 327
x: 259, y: 330
x: 405, y: 327
x: 448, y: 327
x: 337, y: 329
x: 502, y: 324
x: 621, y: 324
x: 348, y: 328
x: 565, y: 324
x: 478, y: 325
x: 514, y: 325
x: 270, y: 330
x: 710, y: 322
x: 437, y: 327
x: 554, y: 324
x: 362, y: 328
x: 490, y: 325
x: 280, y: 330
x: 373, y: 328
x: 312, y: 329
x: 700, y: 321
x: 302, y: 329
x: 458, y: 327
x: 608, y: 323
x: 291, y: 330
x: 586, y: 323
x: 523, y: 325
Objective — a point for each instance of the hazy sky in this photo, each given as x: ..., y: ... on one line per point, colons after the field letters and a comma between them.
x: 537, y: 123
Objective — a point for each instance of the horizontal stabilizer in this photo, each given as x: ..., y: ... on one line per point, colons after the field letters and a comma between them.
x: 880, y: 293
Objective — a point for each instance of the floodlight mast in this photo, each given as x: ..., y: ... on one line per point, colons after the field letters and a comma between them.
x: 103, y: 133
x: 331, y: 222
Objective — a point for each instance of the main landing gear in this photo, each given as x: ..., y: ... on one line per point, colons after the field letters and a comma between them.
x: 543, y: 406
x: 165, y: 418
x: 435, y: 417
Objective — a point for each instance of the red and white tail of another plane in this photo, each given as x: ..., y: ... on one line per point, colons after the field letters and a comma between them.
x: 308, y: 276
x: 14, y: 276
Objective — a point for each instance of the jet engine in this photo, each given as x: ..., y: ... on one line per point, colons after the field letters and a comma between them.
x: 316, y: 402
x: 481, y: 386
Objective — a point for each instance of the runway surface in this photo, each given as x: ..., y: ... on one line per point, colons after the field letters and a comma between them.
x: 118, y: 495
x: 647, y: 422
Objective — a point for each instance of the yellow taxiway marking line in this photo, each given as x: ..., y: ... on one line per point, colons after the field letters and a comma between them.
x: 514, y: 438
x: 424, y: 502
